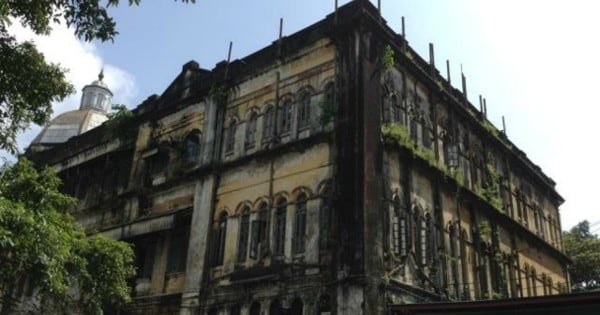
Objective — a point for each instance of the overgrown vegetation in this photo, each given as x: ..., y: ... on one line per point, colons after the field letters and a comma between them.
x: 327, y: 113
x: 42, y: 245
x: 583, y: 247
x: 388, y: 58
x: 395, y: 133
x: 29, y: 85
x: 484, y: 229
x: 120, y: 124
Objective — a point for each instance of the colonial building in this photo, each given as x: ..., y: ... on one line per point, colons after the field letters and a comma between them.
x: 332, y: 172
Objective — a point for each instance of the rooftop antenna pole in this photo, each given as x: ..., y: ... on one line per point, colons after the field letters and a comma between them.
x: 503, y: 125
x: 481, y: 104
x: 431, y: 57
x: 448, y: 71
x: 464, y: 84
x: 485, y: 107
x: 228, y: 59
x: 403, y: 35
x: 379, y: 8
x: 280, y: 36
x: 336, y: 12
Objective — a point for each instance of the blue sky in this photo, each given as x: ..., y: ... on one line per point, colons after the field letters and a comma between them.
x: 535, y: 62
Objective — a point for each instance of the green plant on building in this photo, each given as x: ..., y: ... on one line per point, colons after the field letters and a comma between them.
x: 119, y: 124
x: 395, y: 133
x: 328, y: 113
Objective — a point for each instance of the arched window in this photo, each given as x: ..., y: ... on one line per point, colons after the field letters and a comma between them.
x: 192, y: 146
x: 324, y: 304
x: 255, y: 308
x: 244, y: 233
x: 230, y: 140
x: 259, y: 231
x: 268, y: 123
x: 399, y: 229
x: 397, y: 113
x: 220, y: 234
x: 425, y: 133
x: 285, y: 116
x: 325, y: 217
x: 298, y: 241
x: 275, y: 308
x: 251, y: 129
x: 235, y: 310
x: 304, y: 110
x: 533, y: 282
x: 427, y: 239
x: 329, y: 97
x: 297, y: 307
x: 279, y: 228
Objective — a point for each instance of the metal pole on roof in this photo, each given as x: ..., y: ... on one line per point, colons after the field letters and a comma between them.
x: 448, y: 71
x: 228, y: 60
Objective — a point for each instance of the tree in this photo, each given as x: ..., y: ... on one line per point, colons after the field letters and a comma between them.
x: 41, y: 244
x: 28, y: 83
x: 584, y: 249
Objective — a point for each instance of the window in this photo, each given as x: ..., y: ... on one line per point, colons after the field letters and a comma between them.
x: 275, y: 308
x: 297, y: 307
x: 144, y: 257
x: 178, y: 250
x: 244, y: 233
x: 325, y: 218
x: 268, y: 123
x: 304, y: 110
x: 279, y: 229
x: 300, y: 225
x: 259, y: 231
x: 192, y: 146
x: 235, y: 310
x: 251, y: 129
x: 220, y: 234
x: 426, y: 134
x: 329, y: 94
x: 399, y: 229
x: 324, y: 305
x: 255, y: 308
x: 285, y: 116
x: 230, y: 140
x: 397, y: 113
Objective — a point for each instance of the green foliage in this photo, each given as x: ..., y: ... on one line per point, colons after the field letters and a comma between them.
x: 42, y: 243
x: 489, y: 192
x: 388, y: 57
x: 484, y: 229
x: 584, y: 249
x: 394, y: 133
x: 327, y: 113
x: 108, y: 265
x: 490, y: 128
x: 28, y: 83
x: 28, y: 86
x: 120, y: 124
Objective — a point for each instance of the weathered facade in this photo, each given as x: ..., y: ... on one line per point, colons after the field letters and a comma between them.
x: 332, y: 172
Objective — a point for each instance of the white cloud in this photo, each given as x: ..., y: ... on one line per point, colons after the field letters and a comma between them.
x: 83, y: 62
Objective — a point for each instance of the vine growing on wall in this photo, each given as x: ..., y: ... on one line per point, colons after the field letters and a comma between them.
x: 119, y: 124
x: 388, y: 57
x: 395, y: 133
x: 327, y: 113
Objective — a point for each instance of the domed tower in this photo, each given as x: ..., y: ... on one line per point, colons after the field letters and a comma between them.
x: 96, y: 99
x: 96, y: 95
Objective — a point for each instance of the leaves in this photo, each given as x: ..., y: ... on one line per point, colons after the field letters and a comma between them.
x: 28, y: 83
x: 584, y: 249
x: 28, y: 86
x: 39, y: 241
